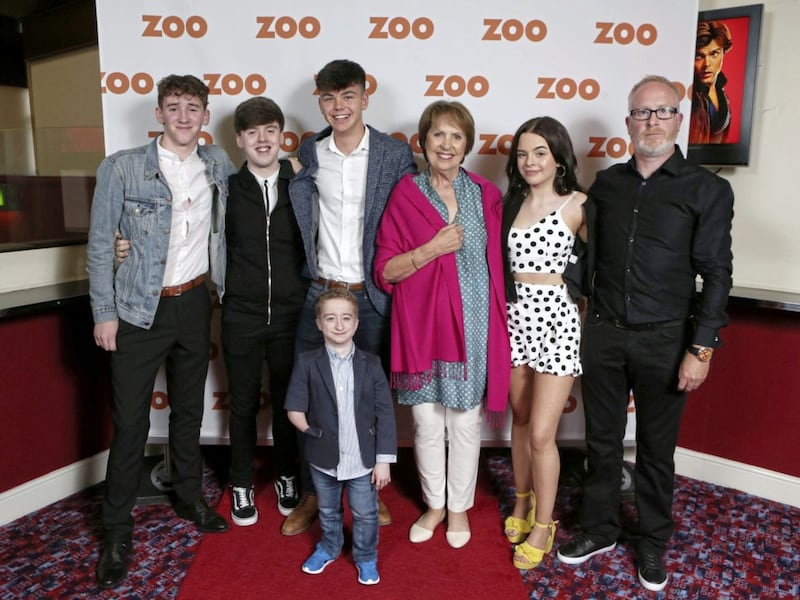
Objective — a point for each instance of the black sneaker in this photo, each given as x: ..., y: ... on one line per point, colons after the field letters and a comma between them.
x: 243, y: 507
x: 581, y: 549
x: 288, y: 498
x: 652, y: 572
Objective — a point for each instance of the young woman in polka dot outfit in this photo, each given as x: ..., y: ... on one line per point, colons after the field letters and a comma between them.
x: 542, y: 215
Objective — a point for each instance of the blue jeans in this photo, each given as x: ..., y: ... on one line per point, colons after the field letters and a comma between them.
x: 363, y: 500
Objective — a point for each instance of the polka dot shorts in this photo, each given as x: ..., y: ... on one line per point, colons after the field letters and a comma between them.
x: 545, y: 329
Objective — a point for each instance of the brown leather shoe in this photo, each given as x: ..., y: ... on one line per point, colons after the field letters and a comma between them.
x: 384, y: 516
x: 301, y: 517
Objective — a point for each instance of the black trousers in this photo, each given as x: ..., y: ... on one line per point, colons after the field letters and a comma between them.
x: 180, y: 340
x: 247, y: 340
x: 615, y: 362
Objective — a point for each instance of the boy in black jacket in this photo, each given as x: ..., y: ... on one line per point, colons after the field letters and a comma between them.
x: 264, y: 293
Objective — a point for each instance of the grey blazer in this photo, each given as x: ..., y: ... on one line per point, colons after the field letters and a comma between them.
x: 312, y: 391
x: 389, y: 159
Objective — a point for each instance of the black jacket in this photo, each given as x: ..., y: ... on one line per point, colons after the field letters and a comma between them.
x: 264, y: 253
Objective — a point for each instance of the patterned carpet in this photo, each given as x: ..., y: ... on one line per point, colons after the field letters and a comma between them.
x: 728, y: 545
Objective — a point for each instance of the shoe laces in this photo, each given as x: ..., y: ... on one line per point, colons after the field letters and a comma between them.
x: 288, y: 483
x: 241, y: 496
x: 651, y: 561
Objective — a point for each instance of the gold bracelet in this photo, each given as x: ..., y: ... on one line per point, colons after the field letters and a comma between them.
x: 414, y: 264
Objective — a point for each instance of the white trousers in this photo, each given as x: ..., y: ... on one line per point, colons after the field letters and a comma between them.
x: 447, y: 477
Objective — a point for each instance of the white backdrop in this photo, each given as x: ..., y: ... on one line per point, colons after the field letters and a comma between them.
x: 506, y: 60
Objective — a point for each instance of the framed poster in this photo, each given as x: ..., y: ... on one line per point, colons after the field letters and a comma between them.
x: 723, y: 89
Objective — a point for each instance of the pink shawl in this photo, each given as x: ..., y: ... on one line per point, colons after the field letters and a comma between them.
x: 427, y: 315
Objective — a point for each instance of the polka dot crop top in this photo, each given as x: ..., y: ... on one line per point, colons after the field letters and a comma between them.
x: 544, y: 247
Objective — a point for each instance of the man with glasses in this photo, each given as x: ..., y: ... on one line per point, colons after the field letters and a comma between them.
x: 655, y: 223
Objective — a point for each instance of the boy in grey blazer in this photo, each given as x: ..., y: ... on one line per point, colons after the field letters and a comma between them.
x: 339, y: 399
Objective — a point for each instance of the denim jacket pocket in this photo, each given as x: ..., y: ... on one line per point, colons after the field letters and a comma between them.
x: 139, y: 218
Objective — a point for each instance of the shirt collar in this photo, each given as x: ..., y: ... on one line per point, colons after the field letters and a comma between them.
x: 333, y: 355
x: 672, y: 165
x: 164, y: 154
x: 362, y: 145
x: 271, y: 180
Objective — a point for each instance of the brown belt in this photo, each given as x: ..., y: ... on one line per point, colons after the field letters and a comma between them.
x: 177, y: 290
x: 330, y: 283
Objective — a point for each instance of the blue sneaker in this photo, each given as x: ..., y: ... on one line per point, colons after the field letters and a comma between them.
x: 316, y: 563
x: 368, y: 572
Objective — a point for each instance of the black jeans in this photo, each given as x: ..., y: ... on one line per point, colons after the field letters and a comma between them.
x: 617, y: 361
x: 248, y: 340
x: 180, y: 339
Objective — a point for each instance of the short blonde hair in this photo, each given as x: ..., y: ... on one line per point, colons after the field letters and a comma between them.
x: 334, y: 294
x: 654, y: 79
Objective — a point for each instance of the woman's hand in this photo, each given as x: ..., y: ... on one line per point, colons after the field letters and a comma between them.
x: 447, y: 239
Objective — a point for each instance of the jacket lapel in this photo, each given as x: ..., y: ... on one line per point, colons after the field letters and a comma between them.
x: 324, y: 368
x: 375, y: 157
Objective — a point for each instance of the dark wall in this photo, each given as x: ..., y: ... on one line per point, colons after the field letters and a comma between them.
x: 55, y: 397
x: 748, y: 410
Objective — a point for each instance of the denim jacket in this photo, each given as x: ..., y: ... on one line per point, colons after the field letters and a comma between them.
x: 132, y: 196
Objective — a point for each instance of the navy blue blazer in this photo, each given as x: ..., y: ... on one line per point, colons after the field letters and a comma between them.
x: 312, y: 391
x: 388, y: 160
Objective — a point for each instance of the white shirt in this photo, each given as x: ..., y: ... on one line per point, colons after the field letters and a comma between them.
x: 271, y: 199
x: 190, y: 186
x: 341, y: 182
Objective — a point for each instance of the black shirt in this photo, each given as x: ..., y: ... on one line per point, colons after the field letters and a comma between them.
x: 653, y: 236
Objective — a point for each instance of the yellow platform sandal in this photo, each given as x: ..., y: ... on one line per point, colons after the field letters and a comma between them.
x: 529, y: 557
x: 516, y: 529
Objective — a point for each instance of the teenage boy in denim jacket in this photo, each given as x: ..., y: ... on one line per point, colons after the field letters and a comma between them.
x: 168, y: 198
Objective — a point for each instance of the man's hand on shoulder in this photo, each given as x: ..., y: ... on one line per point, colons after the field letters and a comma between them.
x: 105, y: 335
x: 297, y: 166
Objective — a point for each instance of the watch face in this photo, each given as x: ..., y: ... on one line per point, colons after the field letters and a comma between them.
x: 705, y: 354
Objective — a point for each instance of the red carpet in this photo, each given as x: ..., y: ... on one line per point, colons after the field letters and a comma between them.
x: 259, y: 562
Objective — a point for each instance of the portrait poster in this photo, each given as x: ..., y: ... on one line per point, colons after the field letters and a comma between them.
x: 735, y: 38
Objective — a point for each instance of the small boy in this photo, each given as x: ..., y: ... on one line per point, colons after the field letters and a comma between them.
x: 339, y: 398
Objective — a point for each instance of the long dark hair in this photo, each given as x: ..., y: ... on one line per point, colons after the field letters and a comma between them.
x: 557, y: 138
x: 565, y: 182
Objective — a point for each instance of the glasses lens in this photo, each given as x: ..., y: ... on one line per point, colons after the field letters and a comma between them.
x: 665, y: 112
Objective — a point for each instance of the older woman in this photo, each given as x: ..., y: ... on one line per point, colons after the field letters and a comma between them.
x: 542, y: 216
x: 439, y: 253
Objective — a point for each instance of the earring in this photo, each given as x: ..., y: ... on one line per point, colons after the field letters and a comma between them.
x: 562, y: 173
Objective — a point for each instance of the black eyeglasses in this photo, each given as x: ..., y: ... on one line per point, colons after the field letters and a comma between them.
x: 662, y: 112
